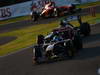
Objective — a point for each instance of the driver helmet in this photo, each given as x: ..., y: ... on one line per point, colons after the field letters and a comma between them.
x: 63, y: 23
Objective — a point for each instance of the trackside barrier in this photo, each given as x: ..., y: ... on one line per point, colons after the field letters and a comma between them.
x: 16, y: 10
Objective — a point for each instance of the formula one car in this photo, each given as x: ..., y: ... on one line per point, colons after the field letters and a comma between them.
x: 50, y: 10
x: 62, y: 42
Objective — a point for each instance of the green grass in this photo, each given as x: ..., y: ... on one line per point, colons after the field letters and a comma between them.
x: 28, y: 17
x: 27, y: 36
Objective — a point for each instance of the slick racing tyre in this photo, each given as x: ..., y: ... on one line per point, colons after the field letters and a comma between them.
x: 78, y: 41
x: 85, y: 29
x: 37, y: 54
x: 34, y: 16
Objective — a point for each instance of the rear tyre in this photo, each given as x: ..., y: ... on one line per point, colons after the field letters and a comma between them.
x: 85, y: 29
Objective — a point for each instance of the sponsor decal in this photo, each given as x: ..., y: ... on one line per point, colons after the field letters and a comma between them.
x: 21, y: 9
x: 5, y: 12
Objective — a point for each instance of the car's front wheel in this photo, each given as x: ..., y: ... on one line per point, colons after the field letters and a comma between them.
x: 37, y: 54
x: 34, y: 16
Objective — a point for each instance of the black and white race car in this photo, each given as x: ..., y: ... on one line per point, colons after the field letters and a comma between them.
x: 62, y: 42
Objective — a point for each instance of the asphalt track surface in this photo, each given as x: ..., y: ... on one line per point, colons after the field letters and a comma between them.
x: 86, y: 62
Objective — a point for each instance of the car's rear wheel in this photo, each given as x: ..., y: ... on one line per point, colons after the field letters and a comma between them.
x: 78, y: 41
x: 85, y: 29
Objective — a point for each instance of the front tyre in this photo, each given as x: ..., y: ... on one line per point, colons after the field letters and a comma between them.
x: 35, y: 16
x: 78, y: 41
x: 37, y: 54
x: 40, y: 39
x: 70, y: 49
